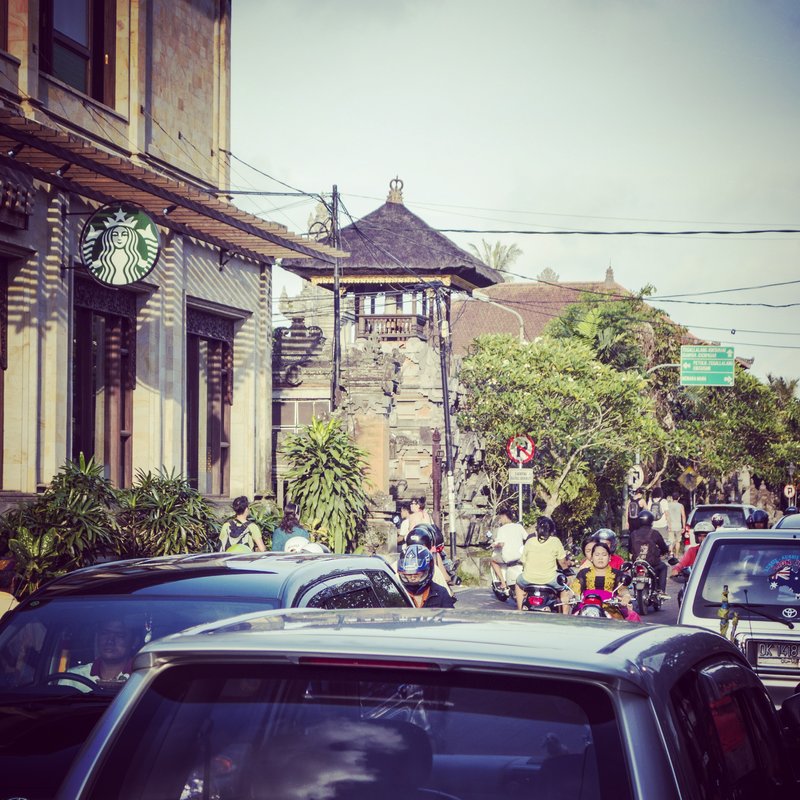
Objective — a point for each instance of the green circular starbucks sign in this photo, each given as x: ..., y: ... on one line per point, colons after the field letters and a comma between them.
x: 120, y: 244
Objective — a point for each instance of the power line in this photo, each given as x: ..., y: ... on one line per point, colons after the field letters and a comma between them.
x: 527, y: 232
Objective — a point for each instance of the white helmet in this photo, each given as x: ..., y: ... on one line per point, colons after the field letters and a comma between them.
x: 296, y: 544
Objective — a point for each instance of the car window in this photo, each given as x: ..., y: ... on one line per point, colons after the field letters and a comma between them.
x: 792, y: 521
x: 732, y: 517
x: 351, y: 591
x: 88, y: 637
x: 387, y: 590
x: 727, y: 732
x: 235, y: 731
x: 755, y: 572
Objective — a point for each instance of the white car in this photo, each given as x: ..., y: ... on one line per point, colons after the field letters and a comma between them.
x: 761, y: 571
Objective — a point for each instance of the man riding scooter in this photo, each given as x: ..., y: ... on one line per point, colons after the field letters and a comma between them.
x: 542, y: 554
x: 507, y: 550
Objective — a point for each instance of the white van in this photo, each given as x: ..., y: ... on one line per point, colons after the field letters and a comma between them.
x: 761, y: 570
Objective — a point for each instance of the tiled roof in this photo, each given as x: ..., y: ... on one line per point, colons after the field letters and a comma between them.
x: 536, y: 303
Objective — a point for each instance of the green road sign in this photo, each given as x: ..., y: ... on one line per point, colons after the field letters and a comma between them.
x: 707, y: 365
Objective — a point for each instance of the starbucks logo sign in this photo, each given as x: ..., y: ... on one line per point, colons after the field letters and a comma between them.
x: 120, y: 244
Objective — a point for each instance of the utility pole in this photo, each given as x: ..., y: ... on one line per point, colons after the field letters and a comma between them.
x: 444, y: 338
x: 337, y: 318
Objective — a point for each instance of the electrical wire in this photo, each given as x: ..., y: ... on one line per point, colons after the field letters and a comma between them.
x: 526, y: 232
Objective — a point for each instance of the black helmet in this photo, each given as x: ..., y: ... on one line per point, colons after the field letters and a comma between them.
x: 790, y: 510
x: 646, y: 519
x: 435, y: 532
x: 545, y: 528
x: 758, y: 517
x: 420, y: 535
x: 415, y: 568
x: 607, y: 536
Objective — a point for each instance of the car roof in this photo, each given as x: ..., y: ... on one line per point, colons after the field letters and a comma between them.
x: 760, y: 534
x: 790, y: 521
x: 493, y: 640
x: 723, y: 506
x: 269, y: 573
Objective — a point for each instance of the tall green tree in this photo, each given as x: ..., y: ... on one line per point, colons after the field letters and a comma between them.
x: 327, y: 478
x: 585, y: 416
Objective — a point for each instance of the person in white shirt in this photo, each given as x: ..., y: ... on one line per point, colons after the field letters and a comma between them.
x: 507, y: 548
x: 660, y: 519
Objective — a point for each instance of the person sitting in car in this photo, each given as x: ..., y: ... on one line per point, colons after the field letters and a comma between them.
x: 115, y: 645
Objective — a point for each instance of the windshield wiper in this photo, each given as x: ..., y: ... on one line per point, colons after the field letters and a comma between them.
x: 754, y: 610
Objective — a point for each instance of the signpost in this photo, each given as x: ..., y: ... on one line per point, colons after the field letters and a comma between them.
x: 707, y: 365
x: 521, y: 449
x: 788, y: 491
x: 635, y: 476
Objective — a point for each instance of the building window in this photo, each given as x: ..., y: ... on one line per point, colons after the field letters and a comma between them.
x: 4, y: 27
x: 77, y: 43
x: 209, y: 397
x: 102, y: 391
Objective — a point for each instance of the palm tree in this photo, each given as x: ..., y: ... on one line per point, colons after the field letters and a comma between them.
x: 785, y: 390
x: 498, y: 256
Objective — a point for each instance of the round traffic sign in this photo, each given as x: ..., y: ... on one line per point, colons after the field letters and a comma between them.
x: 635, y: 476
x: 521, y: 448
x: 788, y: 491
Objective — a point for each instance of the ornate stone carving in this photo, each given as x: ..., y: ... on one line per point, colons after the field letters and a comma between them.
x: 104, y: 300
x: 209, y: 326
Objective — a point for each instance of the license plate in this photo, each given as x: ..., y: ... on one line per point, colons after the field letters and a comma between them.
x: 778, y: 654
x: 639, y: 585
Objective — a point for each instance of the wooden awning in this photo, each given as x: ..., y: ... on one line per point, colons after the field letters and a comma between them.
x: 72, y: 164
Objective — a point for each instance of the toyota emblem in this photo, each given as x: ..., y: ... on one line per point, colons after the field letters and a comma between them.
x: 789, y: 613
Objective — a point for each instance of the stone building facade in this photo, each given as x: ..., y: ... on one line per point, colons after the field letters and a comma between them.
x: 118, y: 101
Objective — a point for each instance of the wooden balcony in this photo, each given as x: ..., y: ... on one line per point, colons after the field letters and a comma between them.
x: 392, y: 327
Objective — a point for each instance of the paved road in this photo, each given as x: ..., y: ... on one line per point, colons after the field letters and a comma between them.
x: 481, y: 598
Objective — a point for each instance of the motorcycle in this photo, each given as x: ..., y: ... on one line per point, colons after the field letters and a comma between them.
x: 542, y: 597
x: 682, y: 577
x: 501, y: 594
x: 645, y: 584
x: 602, y: 604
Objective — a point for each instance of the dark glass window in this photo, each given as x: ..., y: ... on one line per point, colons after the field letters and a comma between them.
x: 230, y: 730
x: 209, y: 368
x: 728, y: 733
x: 77, y: 44
x: 355, y: 592
x: 387, y: 590
x: 102, y: 392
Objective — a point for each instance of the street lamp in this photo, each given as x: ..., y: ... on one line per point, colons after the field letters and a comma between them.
x: 484, y: 298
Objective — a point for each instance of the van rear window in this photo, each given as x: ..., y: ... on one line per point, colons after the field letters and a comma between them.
x: 240, y: 730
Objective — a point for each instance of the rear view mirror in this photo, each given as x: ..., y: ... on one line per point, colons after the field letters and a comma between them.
x: 672, y: 561
x: 626, y: 580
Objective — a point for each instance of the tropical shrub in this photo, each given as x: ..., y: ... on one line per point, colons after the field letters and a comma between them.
x: 267, y: 516
x: 71, y: 524
x: 161, y: 514
x: 326, y: 479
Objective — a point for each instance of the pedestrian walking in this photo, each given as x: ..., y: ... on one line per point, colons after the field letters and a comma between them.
x: 240, y: 534
x: 676, y: 518
x: 289, y: 527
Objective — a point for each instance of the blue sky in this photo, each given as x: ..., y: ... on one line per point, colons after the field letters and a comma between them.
x: 615, y: 115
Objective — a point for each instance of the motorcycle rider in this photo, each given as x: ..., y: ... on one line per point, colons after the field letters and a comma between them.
x: 649, y: 544
x: 415, y: 570
x: 601, y: 575
x: 507, y: 548
x: 425, y: 536
x: 759, y: 519
x: 542, y: 554
x: 609, y: 538
x: 701, y: 530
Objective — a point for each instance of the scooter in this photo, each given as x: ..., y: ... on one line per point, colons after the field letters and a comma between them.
x: 602, y: 604
x: 542, y: 597
x: 644, y: 585
x: 503, y: 595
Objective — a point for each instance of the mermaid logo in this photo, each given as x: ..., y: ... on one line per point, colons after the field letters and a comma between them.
x: 120, y: 244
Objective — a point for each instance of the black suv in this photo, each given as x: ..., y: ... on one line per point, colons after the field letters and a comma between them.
x: 54, y: 645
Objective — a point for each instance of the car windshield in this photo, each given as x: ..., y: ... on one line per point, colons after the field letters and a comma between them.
x: 87, y: 644
x: 732, y: 517
x: 236, y: 730
x: 755, y: 572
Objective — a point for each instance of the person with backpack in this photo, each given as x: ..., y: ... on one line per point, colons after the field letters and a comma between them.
x: 240, y: 534
x: 659, y: 508
x: 635, y: 505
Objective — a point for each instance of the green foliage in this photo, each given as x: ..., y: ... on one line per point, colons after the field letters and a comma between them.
x: 585, y: 416
x: 326, y: 479
x: 36, y: 557
x: 266, y: 514
x: 69, y: 525
x: 161, y: 514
